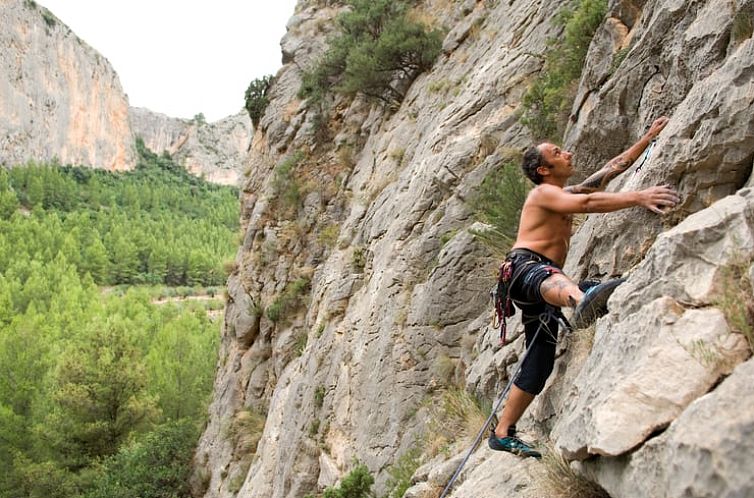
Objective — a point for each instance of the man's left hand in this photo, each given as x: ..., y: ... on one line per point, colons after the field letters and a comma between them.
x: 657, y: 126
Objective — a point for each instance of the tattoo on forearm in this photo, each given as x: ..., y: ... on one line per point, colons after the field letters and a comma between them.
x: 620, y: 164
x: 600, y: 179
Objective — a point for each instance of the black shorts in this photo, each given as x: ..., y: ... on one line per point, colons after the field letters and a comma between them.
x: 530, y: 269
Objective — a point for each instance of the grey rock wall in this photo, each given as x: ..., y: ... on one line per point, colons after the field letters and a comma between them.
x: 400, y: 293
x: 59, y: 98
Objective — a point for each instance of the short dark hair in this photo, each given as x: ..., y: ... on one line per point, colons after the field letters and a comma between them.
x: 533, y: 159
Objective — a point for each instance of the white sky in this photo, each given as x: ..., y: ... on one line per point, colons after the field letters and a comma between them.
x: 181, y: 57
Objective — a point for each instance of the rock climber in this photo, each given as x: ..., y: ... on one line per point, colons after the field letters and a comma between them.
x: 537, y: 285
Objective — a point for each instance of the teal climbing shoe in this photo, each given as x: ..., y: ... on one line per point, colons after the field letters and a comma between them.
x: 594, y: 303
x: 514, y: 445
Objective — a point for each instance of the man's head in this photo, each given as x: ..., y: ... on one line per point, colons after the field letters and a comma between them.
x: 546, y: 159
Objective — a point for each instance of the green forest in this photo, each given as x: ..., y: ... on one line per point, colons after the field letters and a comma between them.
x: 103, y: 388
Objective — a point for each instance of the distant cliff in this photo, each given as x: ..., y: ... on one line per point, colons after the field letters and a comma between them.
x: 215, y: 151
x: 59, y: 98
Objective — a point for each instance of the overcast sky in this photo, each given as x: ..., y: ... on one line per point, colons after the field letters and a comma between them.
x: 182, y: 57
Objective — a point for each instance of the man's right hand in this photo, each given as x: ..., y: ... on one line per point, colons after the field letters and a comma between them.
x: 659, y: 199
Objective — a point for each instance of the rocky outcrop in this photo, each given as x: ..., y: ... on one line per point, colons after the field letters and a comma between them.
x: 699, y: 74
x: 701, y: 454
x: 59, y: 98
x: 215, y: 151
x: 394, y: 307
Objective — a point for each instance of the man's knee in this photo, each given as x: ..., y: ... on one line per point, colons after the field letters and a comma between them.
x: 559, y: 290
x: 532, y: 380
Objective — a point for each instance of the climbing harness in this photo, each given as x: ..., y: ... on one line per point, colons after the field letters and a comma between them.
x: 645, y: 155
x: 549, y: 313
x: 500, y: 294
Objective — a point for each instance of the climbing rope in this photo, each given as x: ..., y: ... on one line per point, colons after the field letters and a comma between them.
x: 543, y: 318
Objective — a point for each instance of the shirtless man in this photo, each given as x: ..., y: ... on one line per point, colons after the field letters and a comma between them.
x: 538, y: 286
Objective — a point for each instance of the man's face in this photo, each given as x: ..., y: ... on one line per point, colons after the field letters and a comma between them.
x: 559, y: 160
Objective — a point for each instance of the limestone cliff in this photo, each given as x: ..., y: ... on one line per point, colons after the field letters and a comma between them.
x: 215, y: 151
x: 379, y: 288
x: 59, y: 98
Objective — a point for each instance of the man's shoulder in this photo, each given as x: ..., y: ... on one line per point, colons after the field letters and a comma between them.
x: 548, y: 187
x: 545, y: 190
x: 545, y: 196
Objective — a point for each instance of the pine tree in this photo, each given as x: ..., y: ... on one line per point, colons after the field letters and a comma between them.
x: 181, y: 363
x: 99, y: 396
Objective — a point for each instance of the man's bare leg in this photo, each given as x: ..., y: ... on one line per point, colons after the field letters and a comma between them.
x: 517, y: 403
x: 559, y: 290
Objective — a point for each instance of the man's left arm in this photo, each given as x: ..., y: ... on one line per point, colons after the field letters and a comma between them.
x: 599, y: 180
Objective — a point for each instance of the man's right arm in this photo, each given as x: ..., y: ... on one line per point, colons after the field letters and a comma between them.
x: 656, y: 199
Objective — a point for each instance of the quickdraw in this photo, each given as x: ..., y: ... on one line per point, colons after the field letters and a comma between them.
x: 501, y: 300
x: 645, y: 155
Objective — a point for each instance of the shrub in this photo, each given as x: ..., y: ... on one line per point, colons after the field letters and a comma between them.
x: 357, y: 484
x: 158, y: 465
x: 245, y: 431
x: 236, y: 483
x: 358, y: 259
x: 288, y: 300
x: 498, y: 203
x: 49, y: 18
x: 447, y: 237
x: 328, y: 235
x: 735, y: 299
x: 300, y: 344
x: 286, y: 188
x: 401, y: 472
x: 378, y: 52
x: 319, y: 396
x: 314, y: 427
x: 559, y: 480
x: 256, y: 98
x: 547, y: 102
x: 320, y: 329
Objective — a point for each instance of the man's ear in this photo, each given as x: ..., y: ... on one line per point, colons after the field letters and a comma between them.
x: 543, y: 170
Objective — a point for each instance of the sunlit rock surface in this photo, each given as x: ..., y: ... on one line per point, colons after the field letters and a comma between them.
x: 59, y: 98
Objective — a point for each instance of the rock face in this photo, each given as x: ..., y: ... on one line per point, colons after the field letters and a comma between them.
x: 694, y: 457
x: 215, y: 151
x: 59, y: 98
x: 385, y: 286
